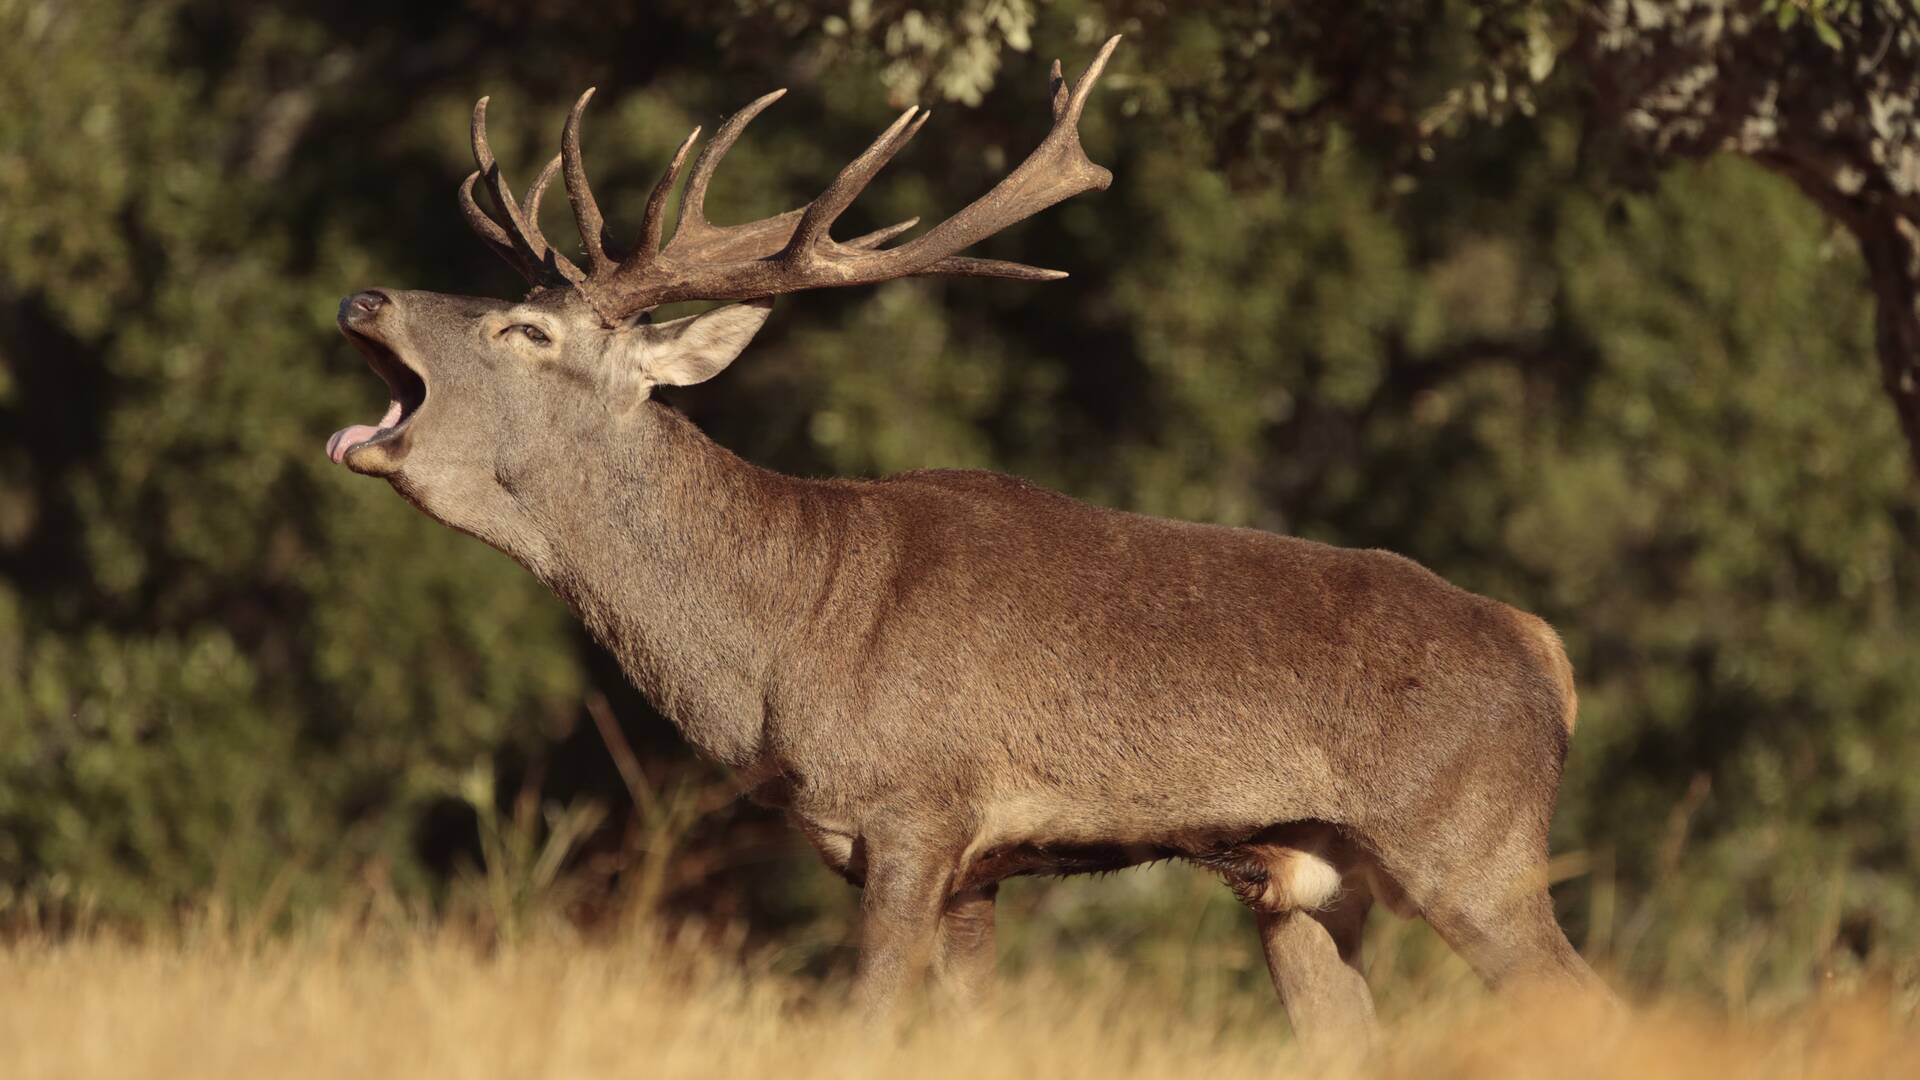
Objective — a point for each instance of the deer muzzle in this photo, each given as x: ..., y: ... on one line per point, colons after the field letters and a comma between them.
x: 362, y: 319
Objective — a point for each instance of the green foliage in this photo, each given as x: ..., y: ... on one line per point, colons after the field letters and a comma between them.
x: 1652, y: 418
x: 188, y: 697
x: 1833, y: 20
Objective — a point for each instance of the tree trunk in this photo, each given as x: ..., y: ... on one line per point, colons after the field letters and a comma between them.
x: 1891, y: 244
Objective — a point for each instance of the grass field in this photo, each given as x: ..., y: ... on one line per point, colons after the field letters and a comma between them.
x: 1150, y: 973
x: 425, y: 1003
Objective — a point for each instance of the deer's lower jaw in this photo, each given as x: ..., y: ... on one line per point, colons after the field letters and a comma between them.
x: 409, y: 392
x: 357, y: 435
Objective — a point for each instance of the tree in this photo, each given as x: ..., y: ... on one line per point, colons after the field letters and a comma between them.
x: 1823, y: 92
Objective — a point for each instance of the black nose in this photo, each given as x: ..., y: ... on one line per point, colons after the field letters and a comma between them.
x: 363, y: 305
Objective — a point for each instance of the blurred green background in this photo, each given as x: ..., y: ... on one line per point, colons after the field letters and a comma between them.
x: 1640, y: 403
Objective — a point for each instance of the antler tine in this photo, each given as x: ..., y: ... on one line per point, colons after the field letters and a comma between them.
x: 530, y: 252
x: 489, y: 229
x: 880, y: 236
x: 968, y: 266
x: 586, y: 212
x: 1057, y: 90
x: 823, y: 211
x: 503, y: 201
x: 1057, y: 169
x: 1084, y: 88
x: 698, y: 240
x: 530, y: 214
x: 530, y: 210
x: 693, y: 201
x: 651, y: 224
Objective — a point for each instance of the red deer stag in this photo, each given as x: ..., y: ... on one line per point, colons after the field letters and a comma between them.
x: 949, y: 678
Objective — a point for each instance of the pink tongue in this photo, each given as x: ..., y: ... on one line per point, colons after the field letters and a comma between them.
x: 347, y: 438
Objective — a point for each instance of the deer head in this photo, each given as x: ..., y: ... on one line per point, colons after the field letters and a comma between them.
x: 487, y: 394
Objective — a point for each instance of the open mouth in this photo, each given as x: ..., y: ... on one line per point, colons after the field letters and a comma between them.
x: 406, y: 387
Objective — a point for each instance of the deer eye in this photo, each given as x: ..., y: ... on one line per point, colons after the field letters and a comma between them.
x: 530, y: 332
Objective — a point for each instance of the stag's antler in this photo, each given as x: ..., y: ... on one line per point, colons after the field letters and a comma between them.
x: 785, y: 253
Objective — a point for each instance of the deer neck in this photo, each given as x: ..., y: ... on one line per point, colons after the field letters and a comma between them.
x: 692, y: 567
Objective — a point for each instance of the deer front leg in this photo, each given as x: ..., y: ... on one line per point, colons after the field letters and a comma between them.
x: 963, y: 962
x: 906, y: 894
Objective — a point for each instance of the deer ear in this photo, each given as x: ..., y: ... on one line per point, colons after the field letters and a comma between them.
x: 698, y: 347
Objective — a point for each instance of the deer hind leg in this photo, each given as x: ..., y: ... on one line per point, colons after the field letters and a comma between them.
x: 1489, y: 902
x: 1310, y: 924
x: 1505, y: 929
x: 1327, y: 1000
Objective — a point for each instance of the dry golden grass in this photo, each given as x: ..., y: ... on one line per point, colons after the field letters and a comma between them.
x: 394, y: 1004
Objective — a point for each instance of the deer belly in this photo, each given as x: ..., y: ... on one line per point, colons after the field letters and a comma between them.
x: 1056, y: 860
